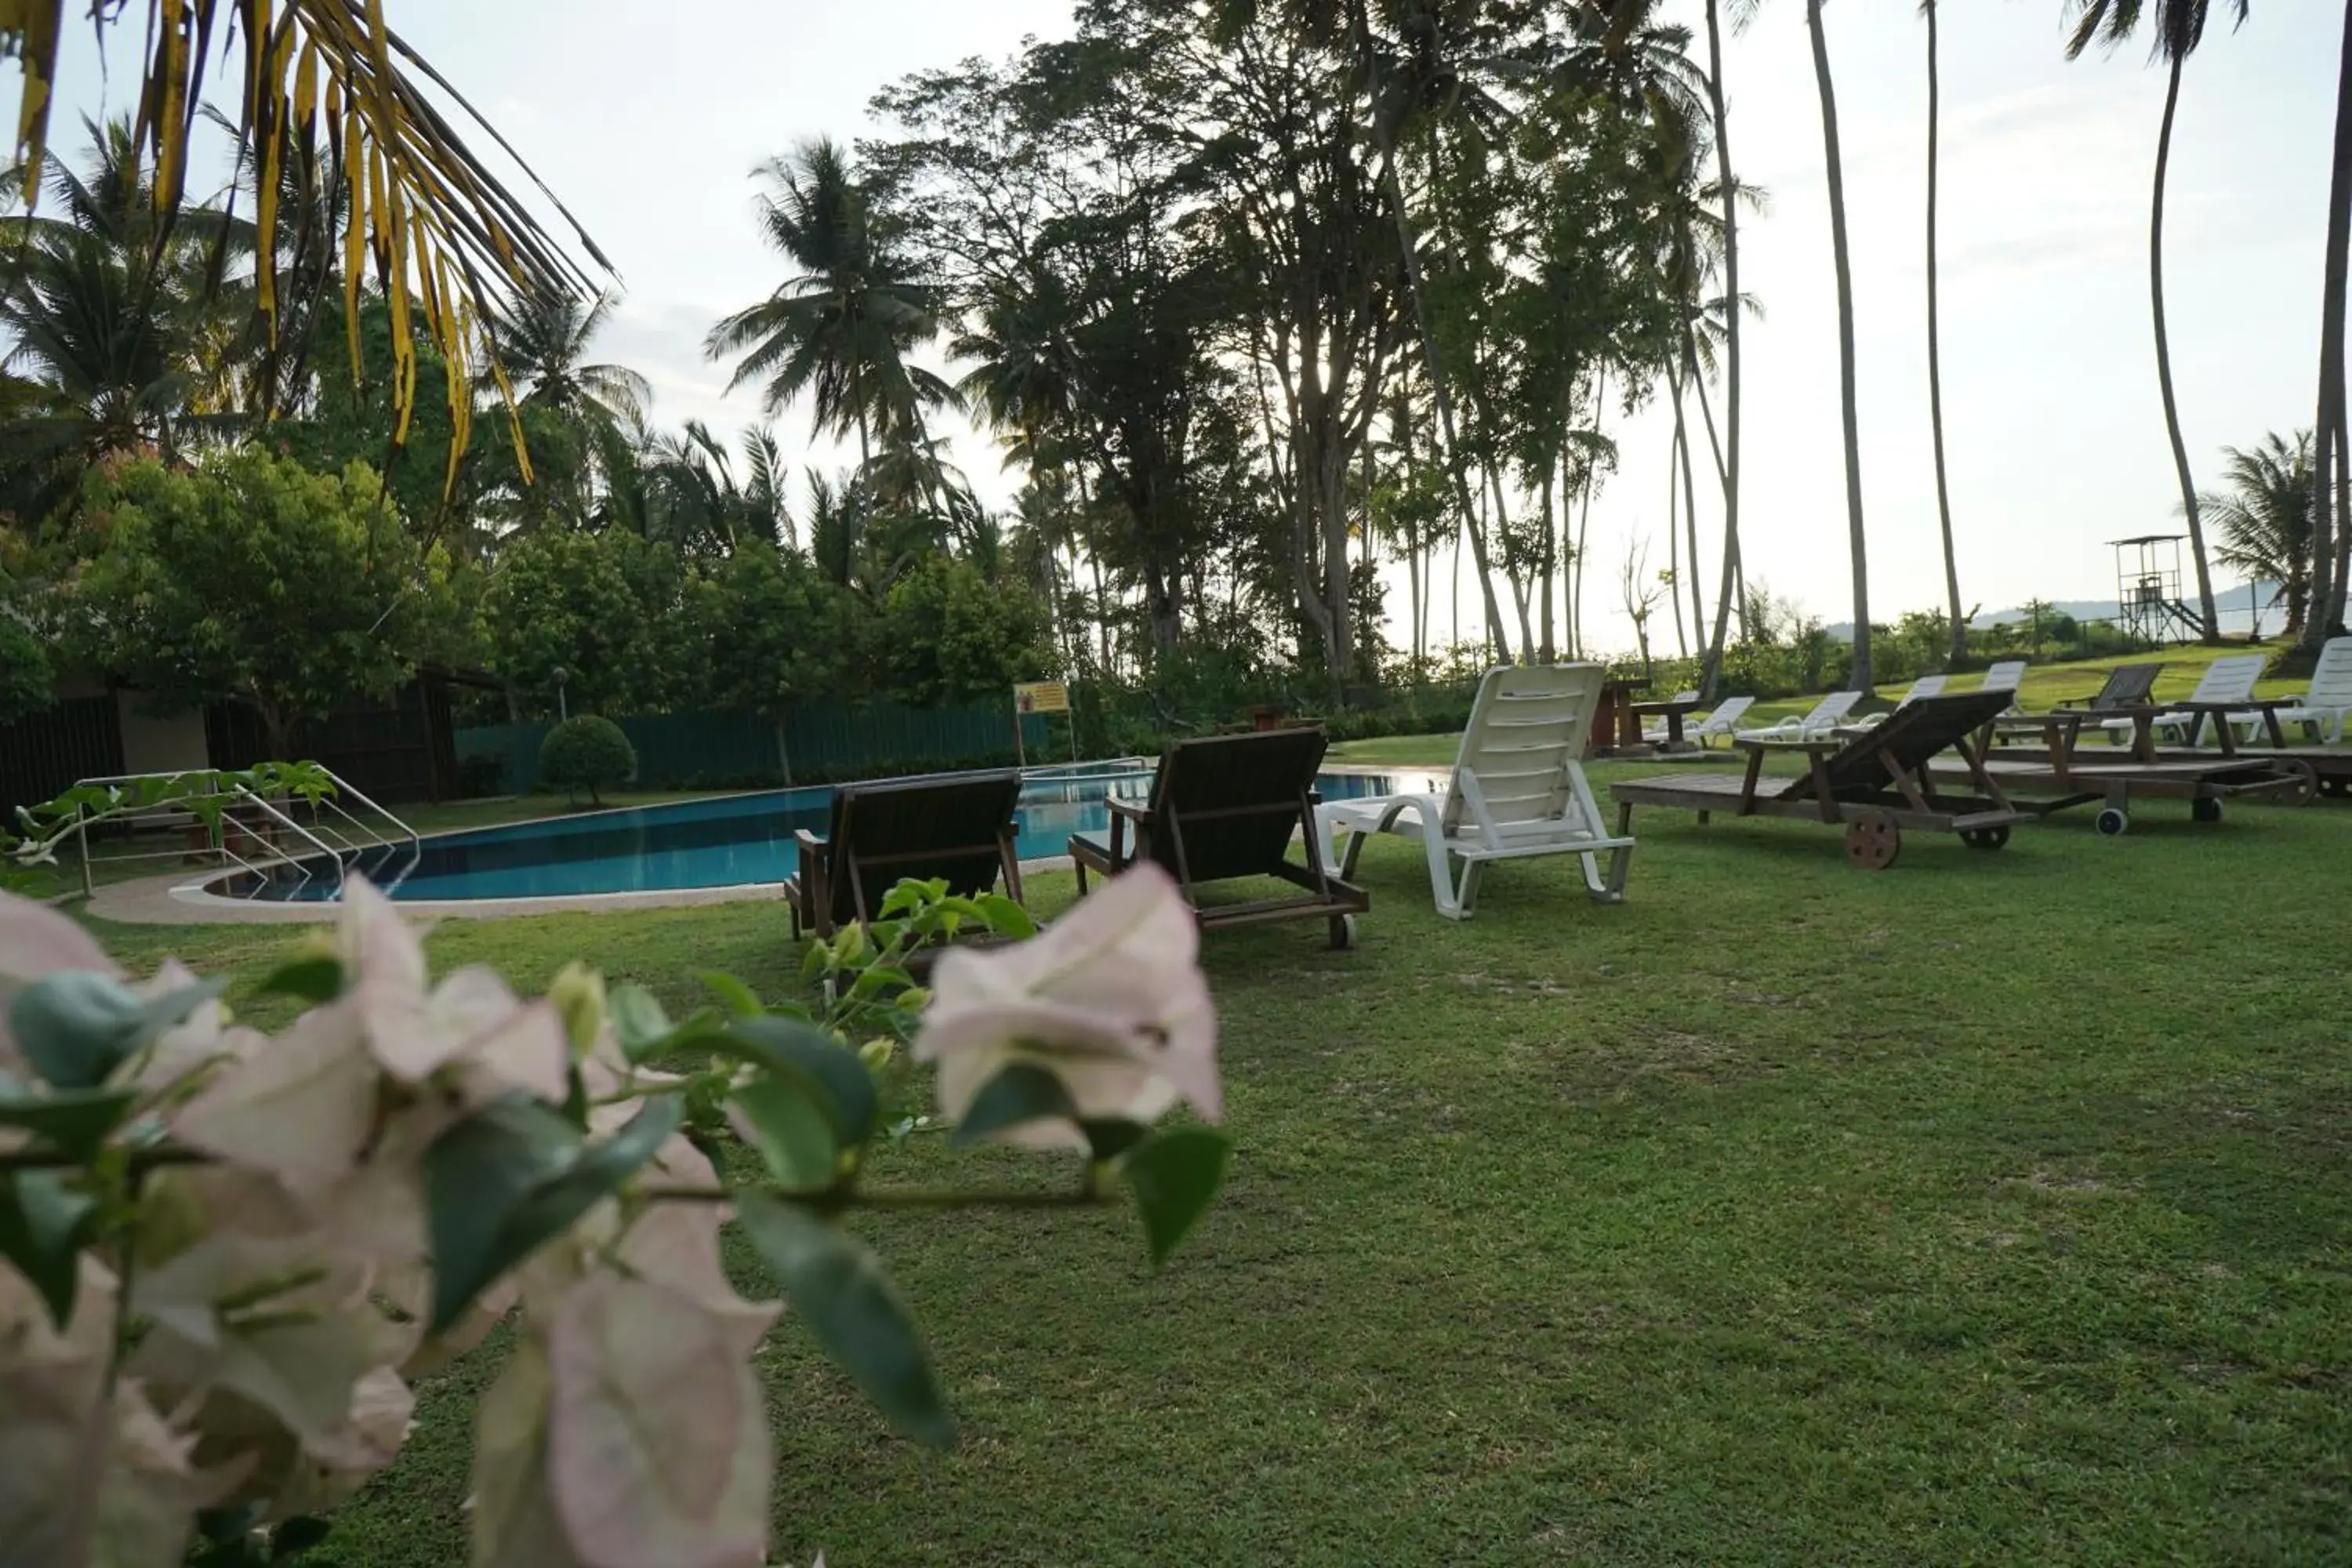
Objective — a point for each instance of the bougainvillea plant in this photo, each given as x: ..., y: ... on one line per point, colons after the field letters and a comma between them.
x: 226, y: 1255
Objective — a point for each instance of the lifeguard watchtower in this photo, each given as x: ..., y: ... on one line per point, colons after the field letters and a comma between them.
x: 2147, y: 589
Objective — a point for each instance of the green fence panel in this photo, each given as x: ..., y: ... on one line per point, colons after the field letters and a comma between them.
x: 828, y: 739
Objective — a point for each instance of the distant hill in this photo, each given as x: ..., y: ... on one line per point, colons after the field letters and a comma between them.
x: 2229, y: 598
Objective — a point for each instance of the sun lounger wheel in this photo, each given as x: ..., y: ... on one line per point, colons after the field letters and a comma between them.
x: 2113, y: 820
x: 1343, y: 933
x: 2204, y: 809
x: 1986, y: 838
x: 1872, y: 841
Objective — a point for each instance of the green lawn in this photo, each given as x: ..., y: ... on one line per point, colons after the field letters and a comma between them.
x: 1988, y: 1209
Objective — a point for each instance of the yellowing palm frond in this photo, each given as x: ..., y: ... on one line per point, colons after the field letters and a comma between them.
x: 447, y: 238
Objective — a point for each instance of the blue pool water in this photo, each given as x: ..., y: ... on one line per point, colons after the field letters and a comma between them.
x: 716, y: 843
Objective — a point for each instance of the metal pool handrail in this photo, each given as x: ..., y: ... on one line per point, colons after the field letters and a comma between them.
x: 219, y: 840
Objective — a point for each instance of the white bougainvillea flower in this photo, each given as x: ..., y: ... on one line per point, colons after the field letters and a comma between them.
x: 147, y: 1504
x: 1110, y: 999
x: 472, y: 1020
x: 304, y: 1106
x: 190, y: 1046
x: 52, y: 1400
x: 657, y: 1451
x: 283, y: 1321
x: 514, y: 1518
x: 677, y: 1244
x: 270, y: 1466
x: 35, y: 940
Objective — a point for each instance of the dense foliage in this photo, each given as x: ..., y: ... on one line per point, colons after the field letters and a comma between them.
x: 252, y: 578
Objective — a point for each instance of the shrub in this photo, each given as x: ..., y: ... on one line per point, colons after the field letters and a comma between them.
x: 587, y: 752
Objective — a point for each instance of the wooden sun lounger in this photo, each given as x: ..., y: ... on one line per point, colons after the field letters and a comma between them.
x: 1226, y: 806
x: 1877, y: 783
x: 2125, y: 694
x: 2057, y: 780
x: 956, y: 826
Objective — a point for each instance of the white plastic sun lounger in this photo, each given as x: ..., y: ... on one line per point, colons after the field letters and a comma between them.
x: 2328, y: 703
x: 2006, y: 675
x: 1826, y: 716
x: 1518, y: 789
x: 1721, y: 724
x: 1926, y: 685
x: 2230, y: 679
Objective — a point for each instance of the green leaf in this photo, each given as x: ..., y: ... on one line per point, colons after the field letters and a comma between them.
x: 315, y: 979
x: 1007, y: 918
x: 838, y: 1288
x: 1109, y: 1139
x: 477, y: 1174
x: 515, y: 1174
x: 75, y: 1027
x: 297, y: 1535
x: 43, y: 1224
x: 1174, y: 1177
x: 795, y: 1049
x: 792, y: 1131
x: 733, y: 994
x: 74, y: 1122
x: 638, y: 1021
x: 1019, y: 1095
x: 877, y: 977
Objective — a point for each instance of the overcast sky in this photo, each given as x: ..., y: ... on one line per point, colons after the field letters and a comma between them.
x: 648, y: 119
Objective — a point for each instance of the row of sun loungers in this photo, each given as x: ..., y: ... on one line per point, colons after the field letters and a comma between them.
x: 1225, y: 808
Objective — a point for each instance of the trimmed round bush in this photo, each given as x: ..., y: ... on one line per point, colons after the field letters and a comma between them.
x: 587, y: 752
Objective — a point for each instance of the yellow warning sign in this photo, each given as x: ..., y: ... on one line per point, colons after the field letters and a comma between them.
x: 1041, y: 697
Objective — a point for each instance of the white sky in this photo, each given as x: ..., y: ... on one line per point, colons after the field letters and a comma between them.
x: 648, y: 121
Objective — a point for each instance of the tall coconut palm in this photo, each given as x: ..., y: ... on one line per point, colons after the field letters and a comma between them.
x: 1841, y: 263
x: 2332, y: 533
x: 98, y: 314
x: 841, y: 327
x: 1729, y: 189
x: 2180, y: 26
x: 1935, y: 356
x: 2265, y: 519
x: 543, y: 340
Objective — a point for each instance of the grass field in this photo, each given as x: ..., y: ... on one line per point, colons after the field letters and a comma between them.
x: 1992, y: 1208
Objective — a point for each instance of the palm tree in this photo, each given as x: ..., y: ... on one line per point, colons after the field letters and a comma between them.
x: 333, y: 74
x: 841, y: 327
x: 1729, y: 189
x: 2265, y: 519
x: 99, y: 316
x: 543, y: 339
x: 2330, y: 563
x: 691, y: 497
x: 1934, y: 357
x: 2180, y: 28
x: 1841, y: 263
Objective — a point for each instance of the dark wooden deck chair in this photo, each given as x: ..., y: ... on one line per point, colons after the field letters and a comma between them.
x: 1226, y: 806
x: 1874, y: 781
x: 956, y: 826
x: 2129, y: 690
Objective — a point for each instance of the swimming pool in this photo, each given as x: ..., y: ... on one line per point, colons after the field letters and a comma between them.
x: 725, y: 842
